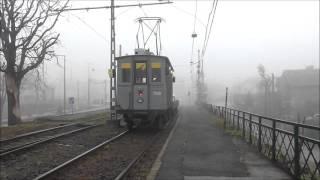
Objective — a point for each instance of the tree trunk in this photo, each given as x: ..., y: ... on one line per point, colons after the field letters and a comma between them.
x: 13, y: 97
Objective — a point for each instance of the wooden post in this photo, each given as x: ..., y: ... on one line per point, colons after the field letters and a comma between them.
x: 226, y: 105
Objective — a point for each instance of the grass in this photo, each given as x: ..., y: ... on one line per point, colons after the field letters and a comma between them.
x: 219, y: 122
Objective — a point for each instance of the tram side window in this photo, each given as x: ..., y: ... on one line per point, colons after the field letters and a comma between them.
x: 156, y: 72
x: 141, y: 73
x: 126, y: 72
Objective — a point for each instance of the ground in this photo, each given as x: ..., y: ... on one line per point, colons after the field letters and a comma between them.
x: 200, y: 149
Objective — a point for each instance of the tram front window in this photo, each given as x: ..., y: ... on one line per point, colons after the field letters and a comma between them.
x: 156, y: 72
x: 126, y: 72
x: 141, y: 73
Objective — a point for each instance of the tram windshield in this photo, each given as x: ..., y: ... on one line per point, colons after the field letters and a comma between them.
x: 141, y: 73
x: 156, y: 72
x: 126, y: 72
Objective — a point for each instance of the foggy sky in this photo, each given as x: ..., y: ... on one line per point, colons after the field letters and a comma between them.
x: 279, y: 34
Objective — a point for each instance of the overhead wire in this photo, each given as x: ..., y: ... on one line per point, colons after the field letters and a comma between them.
x: 208, y: 33
x: 188, y: 13
x: 208, y: 21
x: 90, y: 27
x: 123, y: 12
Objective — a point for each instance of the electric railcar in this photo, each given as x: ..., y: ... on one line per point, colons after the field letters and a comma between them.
x: 145, y: 89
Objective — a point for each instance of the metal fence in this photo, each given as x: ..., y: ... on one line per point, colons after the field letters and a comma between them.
x: 279, y: 140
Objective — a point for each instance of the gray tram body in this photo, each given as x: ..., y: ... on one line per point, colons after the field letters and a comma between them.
x: 145, y: 89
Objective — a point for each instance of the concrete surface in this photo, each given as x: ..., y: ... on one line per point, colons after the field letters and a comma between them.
x: 199, y: 150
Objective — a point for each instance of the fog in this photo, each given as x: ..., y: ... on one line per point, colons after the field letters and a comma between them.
x: 280, y: 35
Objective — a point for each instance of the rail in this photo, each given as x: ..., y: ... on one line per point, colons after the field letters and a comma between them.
x: 82, y: 155
x: 279, y: 140
x: 29, y: 145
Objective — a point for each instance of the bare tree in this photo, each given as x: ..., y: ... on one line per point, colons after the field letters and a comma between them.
x: 27, y: 39
x: 3, y: 94
x: 266, y: 84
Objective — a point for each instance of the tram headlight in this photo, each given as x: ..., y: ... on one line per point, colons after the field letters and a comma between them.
x: 140, y: 100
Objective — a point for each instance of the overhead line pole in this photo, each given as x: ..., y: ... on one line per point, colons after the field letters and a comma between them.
x: 113, y: 95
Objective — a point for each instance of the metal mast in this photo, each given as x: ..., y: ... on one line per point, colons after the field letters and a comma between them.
x: 113, y: 95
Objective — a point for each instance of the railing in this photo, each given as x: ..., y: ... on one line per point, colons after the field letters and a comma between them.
x: 279, y: 140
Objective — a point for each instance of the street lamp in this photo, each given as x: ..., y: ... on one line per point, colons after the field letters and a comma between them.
x: 64, y: 82
x: 89, y: 83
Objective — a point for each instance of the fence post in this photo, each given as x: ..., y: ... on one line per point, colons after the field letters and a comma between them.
x: 259, y: 138
x: 227, y: 116
x: 225, y: 119
x: 274, y: 140
x: 296, y: 152
x: 243, y: 125
x: 238, y: 123
x: 250, y: 128
x: 233, y: 118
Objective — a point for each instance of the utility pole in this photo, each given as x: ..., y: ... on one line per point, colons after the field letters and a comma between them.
x: 88, y: 85
x: 78, y: 98
x: 272, y: 104
x: 198, y: 78
x: 105, y: 93
x: 226, y: 106
x: 64, y: 84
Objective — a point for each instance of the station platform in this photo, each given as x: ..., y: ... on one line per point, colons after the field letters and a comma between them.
x: 200, y: 150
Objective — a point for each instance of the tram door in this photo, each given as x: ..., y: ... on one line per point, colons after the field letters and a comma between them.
x: 140, y: 89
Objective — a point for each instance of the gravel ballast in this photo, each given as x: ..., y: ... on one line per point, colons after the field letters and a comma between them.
x: 30, y: 164
x: 108, y: 161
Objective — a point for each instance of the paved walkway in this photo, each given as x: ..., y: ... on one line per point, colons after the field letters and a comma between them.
x: 199, y: 150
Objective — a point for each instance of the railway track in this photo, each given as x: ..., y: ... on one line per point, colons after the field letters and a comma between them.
x: 65, y: 164
x: 23, y: 143
x: 56, y: 151
x: 136, y: 159
x: 33, y: 133
x: 144, y: 151
x: 27, y: 140
x: 120, y: 167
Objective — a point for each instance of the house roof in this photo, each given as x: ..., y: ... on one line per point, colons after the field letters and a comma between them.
x: 301, y: 77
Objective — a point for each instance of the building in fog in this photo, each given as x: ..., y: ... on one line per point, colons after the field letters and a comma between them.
x: 299, y: 92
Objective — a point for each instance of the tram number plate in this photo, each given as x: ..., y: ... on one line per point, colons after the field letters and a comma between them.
x: 157, y: 93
